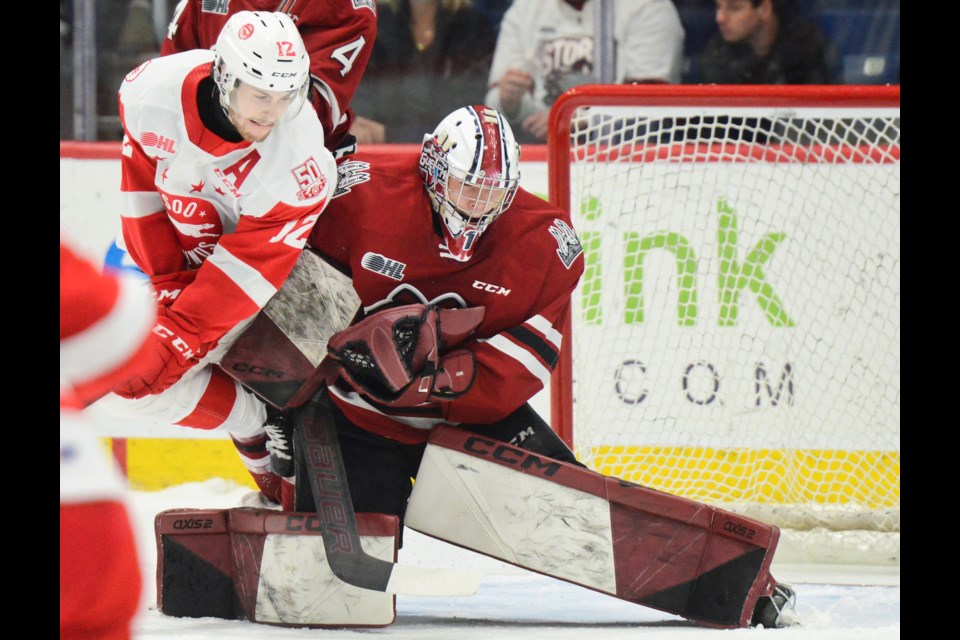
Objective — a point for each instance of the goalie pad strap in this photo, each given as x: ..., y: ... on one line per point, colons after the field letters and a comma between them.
x: 632, y: 542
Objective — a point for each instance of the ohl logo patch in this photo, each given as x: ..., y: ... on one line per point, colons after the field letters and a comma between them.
x: 383, y: 265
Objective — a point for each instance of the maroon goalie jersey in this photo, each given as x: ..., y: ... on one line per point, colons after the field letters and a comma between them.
x: 380, y: 230
x: 338, y: 34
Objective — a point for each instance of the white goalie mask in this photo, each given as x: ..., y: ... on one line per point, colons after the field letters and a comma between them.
x: 264, y: 50
x: 470, y: 167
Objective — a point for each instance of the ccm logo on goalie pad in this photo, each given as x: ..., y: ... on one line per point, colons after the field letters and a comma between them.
x: 508, y: 455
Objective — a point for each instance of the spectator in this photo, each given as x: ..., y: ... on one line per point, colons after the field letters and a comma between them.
x: 431, y: 56
x: 547, y: 46
x: 764, y: 42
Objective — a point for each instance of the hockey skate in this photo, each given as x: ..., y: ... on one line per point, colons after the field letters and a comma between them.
x: 279, y: 428
x: 776, y: 611
x: 268, y: 457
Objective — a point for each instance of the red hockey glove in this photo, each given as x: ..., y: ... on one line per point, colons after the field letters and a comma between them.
x: 167, y: 288
x: 394, y: 355
x: 174, y: 349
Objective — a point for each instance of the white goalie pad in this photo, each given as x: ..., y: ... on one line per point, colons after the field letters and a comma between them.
x: 518, y: 518
x: 613, y: 536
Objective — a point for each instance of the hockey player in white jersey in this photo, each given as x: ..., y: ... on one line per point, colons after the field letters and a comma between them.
x: 224, y: 173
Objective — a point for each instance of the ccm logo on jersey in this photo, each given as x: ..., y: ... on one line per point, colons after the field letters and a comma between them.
x: 490, y: 288
x: 311, y: 180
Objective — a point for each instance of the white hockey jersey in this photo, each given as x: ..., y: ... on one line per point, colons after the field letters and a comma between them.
x: 229, y: 218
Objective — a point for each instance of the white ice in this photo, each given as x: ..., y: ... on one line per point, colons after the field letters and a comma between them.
x: 834, y: 603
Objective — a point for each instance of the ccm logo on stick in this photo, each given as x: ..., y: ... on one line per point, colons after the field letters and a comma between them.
x: 509, y: 455
x: 303, y: 523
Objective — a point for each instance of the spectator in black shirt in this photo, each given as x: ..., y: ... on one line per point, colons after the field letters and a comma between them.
x: 764, y: 42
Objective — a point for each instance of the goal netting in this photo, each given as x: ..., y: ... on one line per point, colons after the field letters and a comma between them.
x: 735, y: 338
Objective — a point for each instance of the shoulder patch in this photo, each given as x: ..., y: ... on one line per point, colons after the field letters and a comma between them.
x: 350, y: 173
x: 221, y: 7
x: 310, y: 179
x: 568, y: 244
x: 365, y: 4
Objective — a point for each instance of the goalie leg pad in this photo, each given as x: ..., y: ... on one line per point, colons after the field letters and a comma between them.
x: 635, y: 543
x: 265, y: 566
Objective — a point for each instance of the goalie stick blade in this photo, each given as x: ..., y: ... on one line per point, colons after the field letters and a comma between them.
x: 316, y: 436
x: 432, y: 581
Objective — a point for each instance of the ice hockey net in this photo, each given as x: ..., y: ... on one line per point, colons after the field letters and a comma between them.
x: 736, y: 335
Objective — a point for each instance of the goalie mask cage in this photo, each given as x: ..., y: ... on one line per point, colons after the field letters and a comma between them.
x: 735, y: 338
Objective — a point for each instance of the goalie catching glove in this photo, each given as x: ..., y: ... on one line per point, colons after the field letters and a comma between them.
x: 174, y: 349
x: 399, y: 357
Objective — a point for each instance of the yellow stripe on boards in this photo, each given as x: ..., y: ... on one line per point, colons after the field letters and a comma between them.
x: 870, y: 479
x: 158, y: 463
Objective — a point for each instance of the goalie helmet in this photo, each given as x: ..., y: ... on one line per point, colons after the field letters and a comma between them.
x: 470, y: 167
x: 264, y: 50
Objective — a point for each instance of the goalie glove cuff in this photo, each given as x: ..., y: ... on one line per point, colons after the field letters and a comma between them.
x: 449, y: 381
x: 458, y: 370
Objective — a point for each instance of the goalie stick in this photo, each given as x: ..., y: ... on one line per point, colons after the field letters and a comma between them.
x: 278, y: 342
x: 314, y: 433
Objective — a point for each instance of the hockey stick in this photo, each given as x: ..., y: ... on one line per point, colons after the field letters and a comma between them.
x: 316, y: 437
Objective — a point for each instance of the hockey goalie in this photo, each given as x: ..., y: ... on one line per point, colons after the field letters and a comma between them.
x: 417, y: 415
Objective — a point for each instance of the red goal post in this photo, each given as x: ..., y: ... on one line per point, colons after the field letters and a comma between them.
x: 736, y: 338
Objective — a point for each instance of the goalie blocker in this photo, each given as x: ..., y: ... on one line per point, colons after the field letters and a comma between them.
x: 637, y: 544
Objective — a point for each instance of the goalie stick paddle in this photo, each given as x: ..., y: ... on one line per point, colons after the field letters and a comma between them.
x: 316, y: 437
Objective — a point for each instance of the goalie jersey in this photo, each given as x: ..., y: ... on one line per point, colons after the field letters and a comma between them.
x: 380, y: 230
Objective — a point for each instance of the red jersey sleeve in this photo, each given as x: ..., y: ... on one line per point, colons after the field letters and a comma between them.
x: 184, y: 31
x: 339, y: 34
x: 512, y: 366
x: 149, y: 235
x: 246, y: 269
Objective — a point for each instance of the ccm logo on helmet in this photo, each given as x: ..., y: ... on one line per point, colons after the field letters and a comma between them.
x: 282, y: 74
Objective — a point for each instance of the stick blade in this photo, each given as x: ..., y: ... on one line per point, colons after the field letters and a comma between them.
x: 433, y: 581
